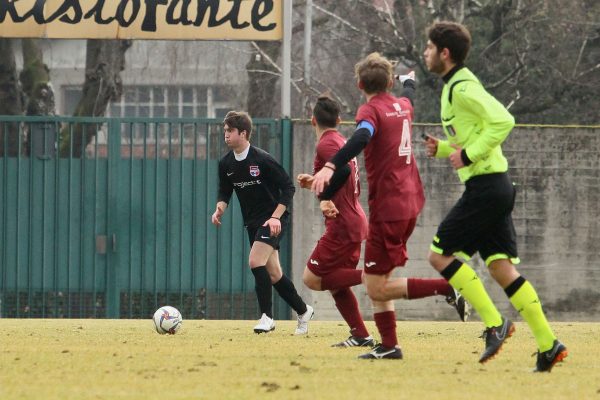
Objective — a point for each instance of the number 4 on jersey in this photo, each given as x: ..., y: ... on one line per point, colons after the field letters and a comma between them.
x: 405, y: 148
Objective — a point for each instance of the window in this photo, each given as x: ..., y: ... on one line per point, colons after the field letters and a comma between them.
x: 152, y: 101
x: 159, y: 101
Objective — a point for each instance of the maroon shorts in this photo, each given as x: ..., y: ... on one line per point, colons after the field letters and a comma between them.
x: 386, y: 245
x: 330, y: 255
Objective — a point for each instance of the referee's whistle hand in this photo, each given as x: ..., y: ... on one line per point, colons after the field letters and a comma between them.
x: 431, y: 145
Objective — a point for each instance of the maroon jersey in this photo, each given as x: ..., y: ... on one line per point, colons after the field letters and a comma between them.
x: 395, y: 188
x: 351, y: 222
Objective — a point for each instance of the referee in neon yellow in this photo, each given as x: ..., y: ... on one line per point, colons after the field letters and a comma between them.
x: 476, y: 125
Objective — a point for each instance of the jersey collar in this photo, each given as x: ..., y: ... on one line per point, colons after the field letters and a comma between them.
x: 451, y: 73
x: 242, y: 156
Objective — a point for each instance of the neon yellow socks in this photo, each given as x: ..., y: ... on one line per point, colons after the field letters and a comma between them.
x: 464, y: 279
x: 524, y: 298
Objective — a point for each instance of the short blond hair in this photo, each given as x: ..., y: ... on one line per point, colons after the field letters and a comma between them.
x: 375, y: 72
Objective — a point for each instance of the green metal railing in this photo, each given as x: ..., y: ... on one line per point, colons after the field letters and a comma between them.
x: 121, y: 225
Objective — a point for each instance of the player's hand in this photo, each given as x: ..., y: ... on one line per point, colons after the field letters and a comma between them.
x: 404, y: 78
x: 305, y: 180
x: 216, y: 217
x: 328, y: 209
x: 431, y: 145
x: 274, y: 226
x: 455, y: 157
x: 321, y: 180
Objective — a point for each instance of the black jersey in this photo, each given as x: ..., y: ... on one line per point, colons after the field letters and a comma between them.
x: 259, y: 182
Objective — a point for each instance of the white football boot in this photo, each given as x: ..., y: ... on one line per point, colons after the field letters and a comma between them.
x: 303, y: 319
x: 265, y: 324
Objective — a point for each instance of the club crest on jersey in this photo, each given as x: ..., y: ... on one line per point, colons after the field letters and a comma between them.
x: 254, y: 171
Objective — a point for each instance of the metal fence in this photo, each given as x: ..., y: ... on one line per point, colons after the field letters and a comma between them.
x: 110, y: 217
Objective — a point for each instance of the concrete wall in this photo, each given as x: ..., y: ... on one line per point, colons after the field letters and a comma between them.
x: 557, y: 171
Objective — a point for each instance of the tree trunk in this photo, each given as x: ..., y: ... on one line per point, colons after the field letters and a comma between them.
x: 35, y: 80
x: 10, y: 99
x: 39, y: 99
x: 262, y: 79
x: 105, y: 59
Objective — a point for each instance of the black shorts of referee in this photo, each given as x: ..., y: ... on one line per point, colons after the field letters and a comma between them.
x: 481, y: 221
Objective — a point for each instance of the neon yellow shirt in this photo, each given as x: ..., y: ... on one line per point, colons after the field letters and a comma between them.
x: 475, y: 121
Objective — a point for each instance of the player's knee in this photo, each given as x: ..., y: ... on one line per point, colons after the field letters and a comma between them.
x: 503, y: 271
x: 437, y: 261
x: 377, y: 296
x: 311, y: 281
x: 432, y: 257
x: 255, y: 262
x: 311, y: 284
x: 276, y: 275
x: 377, y: 292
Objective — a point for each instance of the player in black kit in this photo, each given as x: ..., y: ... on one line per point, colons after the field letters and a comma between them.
x: 264, y: 191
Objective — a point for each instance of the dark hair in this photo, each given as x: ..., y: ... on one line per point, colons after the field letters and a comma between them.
x: 374, y: 72
x: 326, y: 111
x: 240, y: 120
x: 452, y: 36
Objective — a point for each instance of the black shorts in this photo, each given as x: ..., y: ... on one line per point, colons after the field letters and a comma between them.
x: 263, y: 234
x: 481, y: 221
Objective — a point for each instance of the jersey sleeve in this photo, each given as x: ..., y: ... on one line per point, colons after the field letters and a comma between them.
x: 497, y: 121
x: 326, y: 149
x: 409, y: 89
x: 367, y: 112
x: 225, y: 185
x: 281, y: 179
x: 444, y: 149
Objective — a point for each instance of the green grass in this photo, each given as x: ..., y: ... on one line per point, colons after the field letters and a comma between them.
x: 126, y: 359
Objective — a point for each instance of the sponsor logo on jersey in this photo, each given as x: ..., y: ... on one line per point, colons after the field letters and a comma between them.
x: 230, y: 173
x: 314, y: 262
x: 254, y: 171
x: 398, y: 113
x: 370, y: 264
x: 242, y: 185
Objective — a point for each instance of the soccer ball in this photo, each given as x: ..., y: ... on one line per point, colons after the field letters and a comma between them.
x: 167, y: 319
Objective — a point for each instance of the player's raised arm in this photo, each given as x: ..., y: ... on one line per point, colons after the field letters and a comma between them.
x: 409, y: 86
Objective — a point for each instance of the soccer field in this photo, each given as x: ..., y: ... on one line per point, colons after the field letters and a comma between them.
x: 127, y: 359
